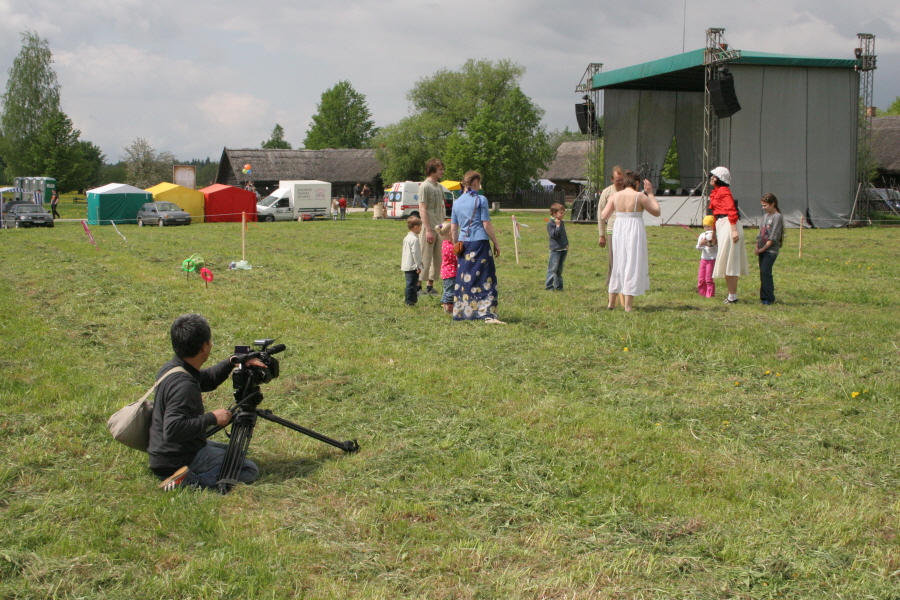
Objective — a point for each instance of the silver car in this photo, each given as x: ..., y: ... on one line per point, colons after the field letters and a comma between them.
x: 162, y: 214
x: 27, y: 215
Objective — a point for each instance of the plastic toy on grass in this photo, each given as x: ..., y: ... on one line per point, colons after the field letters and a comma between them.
x: 192, y: 264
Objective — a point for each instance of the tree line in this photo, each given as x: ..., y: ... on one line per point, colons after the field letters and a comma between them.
x: 37, y: 139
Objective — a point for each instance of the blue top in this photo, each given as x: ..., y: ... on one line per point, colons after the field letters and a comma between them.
x: 462, y: 216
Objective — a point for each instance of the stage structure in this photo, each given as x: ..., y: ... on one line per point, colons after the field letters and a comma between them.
x: 584, y: 208
x: 782, y: 124
x: 865, y: 54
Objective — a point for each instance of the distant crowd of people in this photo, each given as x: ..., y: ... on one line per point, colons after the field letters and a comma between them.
x: 461, y: 253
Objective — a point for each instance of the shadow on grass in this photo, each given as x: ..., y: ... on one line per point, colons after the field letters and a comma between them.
x: 283, y: 469
x: 650, y: 308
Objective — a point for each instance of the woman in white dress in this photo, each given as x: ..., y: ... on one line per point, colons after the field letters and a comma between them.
x: 630, y: 272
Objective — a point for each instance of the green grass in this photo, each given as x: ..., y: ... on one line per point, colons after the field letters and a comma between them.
x: 731, y: 452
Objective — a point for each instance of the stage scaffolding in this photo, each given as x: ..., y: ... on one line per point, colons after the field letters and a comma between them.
x: 865, y: 202
x: 715, y: 56
x: 584, y: 208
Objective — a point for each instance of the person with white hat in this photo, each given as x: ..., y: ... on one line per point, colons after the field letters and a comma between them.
x: 731, y: 261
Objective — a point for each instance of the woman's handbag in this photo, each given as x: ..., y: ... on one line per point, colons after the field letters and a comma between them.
x: 459, y: 247
x: 131, y: 425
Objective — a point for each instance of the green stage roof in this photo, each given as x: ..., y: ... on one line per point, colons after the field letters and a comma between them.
x: 684, y: 72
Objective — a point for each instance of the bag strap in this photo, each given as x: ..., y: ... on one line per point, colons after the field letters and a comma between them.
x: 158, y: 381
x: 472, y: 219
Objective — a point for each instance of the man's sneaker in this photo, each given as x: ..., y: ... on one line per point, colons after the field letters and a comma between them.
x: 174, y: 480
x: 430, y: 291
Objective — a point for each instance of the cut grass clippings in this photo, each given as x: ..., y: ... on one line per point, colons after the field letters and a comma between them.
x: 689, y: 449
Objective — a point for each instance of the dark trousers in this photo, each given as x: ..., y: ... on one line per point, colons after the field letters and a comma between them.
x: 55, y: 212
x: 412, y: 287
x: 766, y: 284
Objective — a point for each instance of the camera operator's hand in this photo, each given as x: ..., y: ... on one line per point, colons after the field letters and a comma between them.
x: 255, y: 362
x: 223, y: 416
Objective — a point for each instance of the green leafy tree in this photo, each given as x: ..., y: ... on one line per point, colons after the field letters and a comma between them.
x: 558, y: 137
x: 404, y: 147
x: 206, y: 175
x: 892, y: 111
x: 343, y: 120
x: 93, y: 161
x: 145, y: 167
x: 31, y: 97
x: 56, y: 152
x: 116, y: 173
x: 277, y: 141
x: 670, y: 168
x: 505, y: 142
x: 443, y: 106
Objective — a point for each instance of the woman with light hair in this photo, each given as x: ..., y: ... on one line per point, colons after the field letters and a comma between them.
x: 631, y: 265
x: 475, y: 290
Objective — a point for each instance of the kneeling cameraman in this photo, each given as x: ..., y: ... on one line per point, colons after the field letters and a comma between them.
x: 179, y: 452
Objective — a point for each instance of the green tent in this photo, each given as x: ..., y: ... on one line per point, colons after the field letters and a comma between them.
x: 115, y: 202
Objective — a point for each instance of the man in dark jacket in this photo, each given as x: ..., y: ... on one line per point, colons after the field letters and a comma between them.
x: 179, y: 452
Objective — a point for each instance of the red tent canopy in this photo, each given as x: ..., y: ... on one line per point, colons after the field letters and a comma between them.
x: 225, y: 203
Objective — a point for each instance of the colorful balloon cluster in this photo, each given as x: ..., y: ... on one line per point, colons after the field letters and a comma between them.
x: 248, y: 170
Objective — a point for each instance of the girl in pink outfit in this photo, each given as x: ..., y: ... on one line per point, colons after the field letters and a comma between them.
x: 709, y: 248
x: 448, y: 267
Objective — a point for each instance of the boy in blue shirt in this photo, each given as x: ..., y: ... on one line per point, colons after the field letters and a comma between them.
x: 559, y: 247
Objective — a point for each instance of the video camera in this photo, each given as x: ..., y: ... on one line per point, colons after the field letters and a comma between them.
x: 247, y: 398
x: 252, y: 374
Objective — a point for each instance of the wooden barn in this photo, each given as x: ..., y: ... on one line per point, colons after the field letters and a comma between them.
x: 342, y: 168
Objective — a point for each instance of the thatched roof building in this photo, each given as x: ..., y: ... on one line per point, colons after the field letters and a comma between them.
x: 343, y: 168
x: 886, y: 148
x: 570, y: 164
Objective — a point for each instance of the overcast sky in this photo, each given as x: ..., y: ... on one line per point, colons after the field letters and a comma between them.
x: 194, y: 77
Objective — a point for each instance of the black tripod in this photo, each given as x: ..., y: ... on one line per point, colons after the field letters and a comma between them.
x: 247, y: 398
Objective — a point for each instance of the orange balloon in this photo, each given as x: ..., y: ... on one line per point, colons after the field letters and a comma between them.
x: 247, y: 166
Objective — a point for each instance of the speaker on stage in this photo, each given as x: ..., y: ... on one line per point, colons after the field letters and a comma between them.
x: 722, y: 95
x: 587, y: 118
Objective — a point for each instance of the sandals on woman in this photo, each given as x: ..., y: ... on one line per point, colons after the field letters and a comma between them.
x: 494, y: 321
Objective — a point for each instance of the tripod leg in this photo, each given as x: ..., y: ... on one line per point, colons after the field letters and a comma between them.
x: 348, y: 446
x: 241, y: 434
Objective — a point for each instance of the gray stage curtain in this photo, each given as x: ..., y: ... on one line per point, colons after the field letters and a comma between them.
x: 689, y: 137
x: 793, y: 138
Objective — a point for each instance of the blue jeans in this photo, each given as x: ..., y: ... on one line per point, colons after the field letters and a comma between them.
x: 204, y: 469
x: 412, y: 287
x: 766, y: 283
x: 447, y: 297
x: 555, y: 269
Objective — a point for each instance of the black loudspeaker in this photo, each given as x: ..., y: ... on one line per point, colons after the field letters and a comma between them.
x: 587, y: 118
x: 723, y: 97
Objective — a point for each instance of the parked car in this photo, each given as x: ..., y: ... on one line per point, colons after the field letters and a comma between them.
x: 162, y: 214
x: 27, y: 215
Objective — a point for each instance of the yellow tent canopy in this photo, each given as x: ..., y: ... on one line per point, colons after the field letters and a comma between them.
x: 188, y: 200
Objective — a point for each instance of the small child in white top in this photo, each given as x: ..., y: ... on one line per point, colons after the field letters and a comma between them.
x: 709, y: 250
x: 411, y: 261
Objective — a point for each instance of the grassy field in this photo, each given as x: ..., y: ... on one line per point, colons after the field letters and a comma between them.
x: 687, y: 450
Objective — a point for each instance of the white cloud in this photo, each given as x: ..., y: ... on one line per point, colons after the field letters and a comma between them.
x: 194, y: 77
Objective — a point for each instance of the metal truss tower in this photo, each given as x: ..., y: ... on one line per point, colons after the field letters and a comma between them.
x: 865, y: 57
x: 716, y: 54
x: 585, y: 206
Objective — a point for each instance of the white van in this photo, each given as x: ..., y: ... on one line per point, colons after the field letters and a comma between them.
x: 303, y: 199
x: 402, y: 200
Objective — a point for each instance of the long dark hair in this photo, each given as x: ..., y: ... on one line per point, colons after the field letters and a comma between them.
x: 771, y: 199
